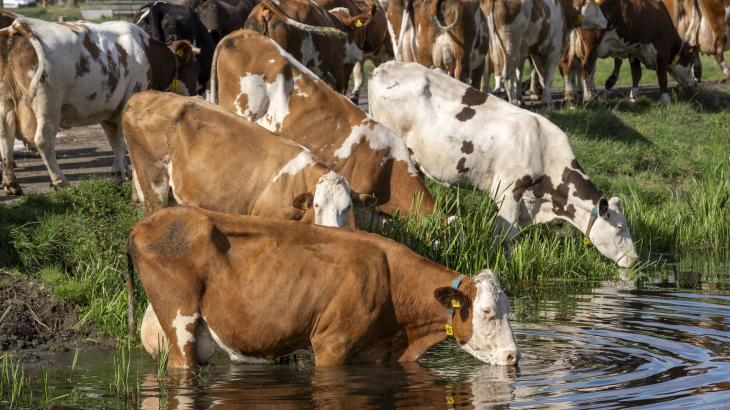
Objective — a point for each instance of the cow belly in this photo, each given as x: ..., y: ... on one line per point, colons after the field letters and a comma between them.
x: 71, y: 116
x: 443, y: 53
x: 613, y: 46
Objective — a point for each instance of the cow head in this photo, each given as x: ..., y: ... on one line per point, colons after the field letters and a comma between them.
x: 364, y: 38
x: 682, y: 71
x: 332, y: 200
x: 351, y: 25
x: 481, y: 327
x: 593, y: 17
x: 187, y: 66
x: 610, y: 234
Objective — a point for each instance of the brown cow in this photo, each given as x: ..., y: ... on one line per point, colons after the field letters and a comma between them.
x: 255, y: 78
x: 376, y: 45
x: 458, y: 44
x: 321, y: 40
x: 77, y: 74
x: 643, y: 30
x: 254, y: 289
x: 403, y: 28
x: 234, y: 166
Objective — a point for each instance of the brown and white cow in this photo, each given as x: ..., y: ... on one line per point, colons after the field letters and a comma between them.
x: 192, y: 152
x: 255, y: 78
x: 376, y: 44
x: 520, y: 158
x: 538, y: 29
x: 453, y: 36
x: 403, y: 28
x: 77, y: 74
x: 641, y: 29
x: 322, y: 40
x: 254, y: 289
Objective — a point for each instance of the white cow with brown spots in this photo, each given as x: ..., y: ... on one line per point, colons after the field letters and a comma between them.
x: 538, y: 29
x: 78, y: 74
x: 461, y: 137
x: 255, y: 78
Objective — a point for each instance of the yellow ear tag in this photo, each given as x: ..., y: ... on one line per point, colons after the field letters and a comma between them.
x: 674, y: 62
x: 691, y: 50
x: 449, y: 330
x: 173, y: 89
x: 598, y: 1
x: 180, y: 52
x: 358, y: 24
x: 304, y: 206
x: 586, y: 241
x: 449, y: 400
x: 455, y: 303
x: 265, y: 12
x: 580, y: 18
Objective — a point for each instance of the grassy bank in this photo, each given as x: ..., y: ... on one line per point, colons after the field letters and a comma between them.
x: 670, y: 165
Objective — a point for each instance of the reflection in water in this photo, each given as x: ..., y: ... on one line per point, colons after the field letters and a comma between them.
x: 660, y: 342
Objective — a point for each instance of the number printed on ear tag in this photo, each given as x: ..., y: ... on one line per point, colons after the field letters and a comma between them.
x: 455, y: 303
x: 449, y: 330
x: 173, y: 89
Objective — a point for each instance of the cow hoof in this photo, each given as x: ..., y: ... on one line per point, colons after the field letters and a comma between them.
x: 587, y: 98
x: 116, y: 177
x: 13, y: 189
x: 534, y: 97
x: 569, y: 99
x: 57, y: 186
x: 611, y: 81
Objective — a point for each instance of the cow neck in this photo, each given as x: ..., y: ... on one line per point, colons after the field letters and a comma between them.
x: 412, y: 287
x: 573, y: 16
x: 585, y: 217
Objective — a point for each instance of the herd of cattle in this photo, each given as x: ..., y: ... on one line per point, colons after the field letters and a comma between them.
x: 234, y: 125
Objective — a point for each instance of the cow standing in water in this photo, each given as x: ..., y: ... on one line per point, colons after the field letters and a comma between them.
x: 461, y: 137
x: 78, y: 74
x: 254, y: 289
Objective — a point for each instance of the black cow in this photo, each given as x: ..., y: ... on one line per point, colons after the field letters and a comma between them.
x: 221, y: 17
x: 169, y: 22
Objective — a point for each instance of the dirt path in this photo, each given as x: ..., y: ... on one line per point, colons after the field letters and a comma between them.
x: 85, y: 151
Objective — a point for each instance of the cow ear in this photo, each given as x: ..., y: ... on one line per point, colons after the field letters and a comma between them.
x: 446, y: 294
x: 358, y: 21
x: 373, y: 10
x: 303, y: 201
x: 183, y: 49
x: 603, y: 207
x: 363, y: 201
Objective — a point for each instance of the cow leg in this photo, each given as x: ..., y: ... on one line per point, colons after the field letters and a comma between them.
x: 720, y: 58
x: 545, y: 68
x: 506, y: 223
x: 486, y: 75
x: 534, y: 83
x: 589, y: 67
x: 512, y: 76
x: 476, y: 77
x: 45, y: 141
x: 611, y: 81
x: 697, y: 65
x: 565, y: 66
x: 7, y: 139
x: 358, y: 74
x: 344, y: 78
x: 661, y: 73
x: 636, y: 77
x: 120, y: 170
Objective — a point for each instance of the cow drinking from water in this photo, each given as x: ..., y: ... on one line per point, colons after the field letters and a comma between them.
x: 254, y: 289
x: 461, y: 137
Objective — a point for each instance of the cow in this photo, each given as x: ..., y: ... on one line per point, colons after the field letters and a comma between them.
x: 376, y: 46
x: 220, y: 17
x: 453, y: 36
x: 520, y: 158
x: 403, y: 28
x: 245, y: 170
x: 643, y: 31
x: 538, y: 29
x: 321, y: 40
x: 255, y: 78
x: 350, y: 296
x: 78, y: 74
x: 169, y: 22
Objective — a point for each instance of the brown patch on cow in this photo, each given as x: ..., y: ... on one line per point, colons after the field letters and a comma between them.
x: 467, y: 147
x: 460, y: 166
x: 569, y: 212
x: 111, y: 70
x: 173, y: 241
x: 575, y: 165
x: 229, y: 44
x: 91, y: 97
x: 466, y: 114
x: 584, y: 188
x: 137, y: 87
x: 473, y: 97
x: 82, y: 67
x: 122, y: 58
x: 75, y: 27
x: 91, y: 47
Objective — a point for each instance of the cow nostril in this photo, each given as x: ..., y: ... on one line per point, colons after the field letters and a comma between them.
x: 513, y: 358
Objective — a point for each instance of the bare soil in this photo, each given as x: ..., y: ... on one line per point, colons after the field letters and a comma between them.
x: 37, y: 323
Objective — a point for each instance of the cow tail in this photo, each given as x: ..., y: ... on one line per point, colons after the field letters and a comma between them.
x: 21, y: 27
x: 323, y: 31
x: 403, y: 25
x: 213, y: 95
x: 131, y: 309
x: 436, y: 5
x: 495, y: 40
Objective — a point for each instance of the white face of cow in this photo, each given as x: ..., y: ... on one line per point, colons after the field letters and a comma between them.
x: 593, y: 17
x: 683, y: 75
x: 611, y: 236
x: 352, y: 53
x: 332, y: 203
x: 492, y: 339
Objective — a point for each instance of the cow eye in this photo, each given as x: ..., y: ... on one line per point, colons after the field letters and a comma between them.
x: 487, y: 312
